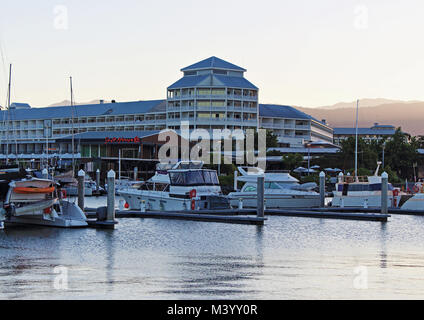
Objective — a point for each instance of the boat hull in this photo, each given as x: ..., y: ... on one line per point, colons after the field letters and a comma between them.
x: 360, y: 200
x: 159, y: 201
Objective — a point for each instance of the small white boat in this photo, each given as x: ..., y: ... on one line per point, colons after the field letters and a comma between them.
x: 281, y: 190
x: 362, y: 191
x: 178, y: 187
x: 38, y: 202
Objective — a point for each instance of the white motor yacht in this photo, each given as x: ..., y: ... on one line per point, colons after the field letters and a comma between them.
x: 281, y: 190
x: 362, y: 191
x: 178, y: 187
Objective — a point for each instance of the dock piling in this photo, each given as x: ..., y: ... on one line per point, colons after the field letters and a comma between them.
x: 322, y: 189
x: 261, y: 197
x: 235, y: 180
x: 97, y: 181
x: 81, y: 187
x: 384, y: 189
x: 111, y: 195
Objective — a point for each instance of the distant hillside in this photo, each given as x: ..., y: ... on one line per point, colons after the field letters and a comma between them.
x: 68, y: 103
x: 365, y: 103
x: 408, y: 115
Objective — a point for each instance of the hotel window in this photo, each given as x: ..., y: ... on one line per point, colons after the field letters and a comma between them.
x: 203, y: 103
x: 203, y: 115
x: 223, y: 72
x: 203, y: 92
x: 218, y: 103
x: 218, y: 92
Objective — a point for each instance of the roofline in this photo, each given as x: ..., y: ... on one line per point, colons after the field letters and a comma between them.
x: 212, y: 68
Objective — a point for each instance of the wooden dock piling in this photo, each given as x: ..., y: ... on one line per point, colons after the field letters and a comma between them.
x: 81, y: 189
x: 322, y: 189
x: 261, y: 197
x: 384, y: 189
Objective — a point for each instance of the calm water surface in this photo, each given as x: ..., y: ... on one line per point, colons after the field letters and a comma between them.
x: 288, y: 258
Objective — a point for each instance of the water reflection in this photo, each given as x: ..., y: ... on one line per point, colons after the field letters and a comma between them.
x: 383, y: 252
x: 167, y: 259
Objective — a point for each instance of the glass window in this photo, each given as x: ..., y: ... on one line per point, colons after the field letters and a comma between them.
x: 194, y: 178
x: 250, y: 189
x: 210, y: 177
x: 203, y: 91
x: 177, y: 178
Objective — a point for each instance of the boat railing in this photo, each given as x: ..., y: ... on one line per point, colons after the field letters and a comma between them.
x: 353, y: 179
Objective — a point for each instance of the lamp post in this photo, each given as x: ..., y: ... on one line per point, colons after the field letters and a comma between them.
x: 309, y: 156
x: 384, y: 146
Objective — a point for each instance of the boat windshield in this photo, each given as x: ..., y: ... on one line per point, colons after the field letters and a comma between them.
x: 194, y: 178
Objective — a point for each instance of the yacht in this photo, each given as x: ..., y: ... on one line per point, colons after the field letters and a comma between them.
x: 360, y: 191
x: 281, y: 190
x: 184, y: 185
x: 29, y: 200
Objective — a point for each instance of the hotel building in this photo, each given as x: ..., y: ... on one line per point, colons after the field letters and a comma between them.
x: 212, y: 94
x: 376, y: 132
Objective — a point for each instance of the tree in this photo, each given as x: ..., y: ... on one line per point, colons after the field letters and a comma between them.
x: 401, y: 153
x: 292, y: 160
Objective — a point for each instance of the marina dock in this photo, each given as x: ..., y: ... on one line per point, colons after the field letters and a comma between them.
x: 244, y: 216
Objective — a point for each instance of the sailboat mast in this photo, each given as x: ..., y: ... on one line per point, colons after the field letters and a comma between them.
x: 73, y: 140
x: 8, y: 114
x: 356, y: 139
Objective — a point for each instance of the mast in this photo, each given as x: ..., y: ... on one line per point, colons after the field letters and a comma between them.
x: 8, y: 114
x: 72, y: 120
x: 356, y: 139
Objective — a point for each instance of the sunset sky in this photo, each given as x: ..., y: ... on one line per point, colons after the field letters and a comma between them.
x: 304, y: 53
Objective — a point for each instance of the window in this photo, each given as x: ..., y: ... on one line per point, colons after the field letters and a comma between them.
x: 218, y: 92
x: 203, y: 91
x: 250, y: 189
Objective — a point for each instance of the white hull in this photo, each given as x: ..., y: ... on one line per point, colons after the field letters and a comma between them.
x: 360, y: 200
x: 416, y: 202
x: 70, y: 217
x: 155, y: 201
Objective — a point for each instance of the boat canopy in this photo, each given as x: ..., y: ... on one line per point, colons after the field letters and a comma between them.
x: 197, y: 177
x: 252, y: 174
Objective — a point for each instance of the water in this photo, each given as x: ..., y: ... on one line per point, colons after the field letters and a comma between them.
x: 288, y: 258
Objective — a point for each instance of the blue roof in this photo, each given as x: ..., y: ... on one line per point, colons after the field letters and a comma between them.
x: 383, y: 126
x: 213, y: 63
x: 120, y: 108
x: 363, y: 131
x: 275, y: 110
x: 235, y: 82
x: 188, y: 81
x: 213, y: 81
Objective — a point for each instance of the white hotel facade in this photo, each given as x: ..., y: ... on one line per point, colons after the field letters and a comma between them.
x: 212, y: 94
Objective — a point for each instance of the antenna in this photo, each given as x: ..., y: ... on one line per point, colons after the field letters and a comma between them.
x: 72, y: 120
x: 356, y: 139
x: 8, y: 114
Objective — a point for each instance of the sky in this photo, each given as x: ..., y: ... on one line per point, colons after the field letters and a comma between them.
x: 302, y: 53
